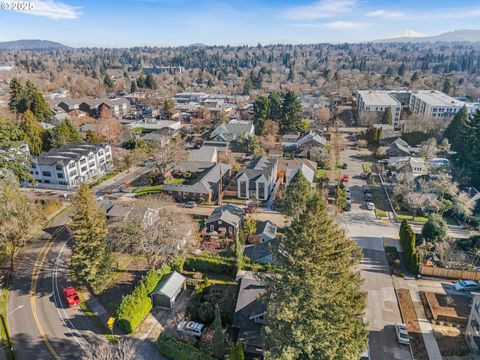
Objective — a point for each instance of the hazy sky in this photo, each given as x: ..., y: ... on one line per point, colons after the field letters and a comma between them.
x: 125, y: 23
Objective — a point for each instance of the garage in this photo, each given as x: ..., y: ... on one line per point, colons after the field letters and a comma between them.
x: 168, y: 290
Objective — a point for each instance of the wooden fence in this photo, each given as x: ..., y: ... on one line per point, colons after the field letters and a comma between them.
x: 449, y: 273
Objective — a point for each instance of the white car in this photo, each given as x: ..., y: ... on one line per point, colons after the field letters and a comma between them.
x: 370, y: 205
x: 402, y: 334
x: 191, y: 328
x: 465, y: 285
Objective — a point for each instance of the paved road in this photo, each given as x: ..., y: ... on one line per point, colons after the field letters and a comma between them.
x: 44, y: 328
x: 382, y: 310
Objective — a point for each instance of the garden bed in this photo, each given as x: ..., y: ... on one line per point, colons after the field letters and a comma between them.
x: 446, y: 308
x: 409, y: 316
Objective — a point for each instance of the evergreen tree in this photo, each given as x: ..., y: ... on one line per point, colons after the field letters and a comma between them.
x: 107, y: 81
x: 238, y: 252
x: 455, y: 128
x: 90, y: 257
x: 401, y: 69
x: 16, y: 95
x: 32, y: 132
x: 133, y: 86
x: 292, y: 114
x: 218, y: 336
x: 247, y: 86
x: 315, y: 309
x: 66, y: 133
x: 236, y: 352
x: 150, y: 82
x: 298, y: 190
x: 261, y: 112
x: 414, y: 77
x: 141, y: 81
x: 468, y: 155
x: 275, y: 102
x: 387, y: 116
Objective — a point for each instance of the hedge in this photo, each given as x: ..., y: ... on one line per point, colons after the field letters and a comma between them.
x: 174, y: 349
x: 408, y: 240
x: 135, y: 307
x: 215, y: 264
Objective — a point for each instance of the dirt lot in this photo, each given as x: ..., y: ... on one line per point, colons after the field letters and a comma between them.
x: 451, y: 340
x: 410, y: 319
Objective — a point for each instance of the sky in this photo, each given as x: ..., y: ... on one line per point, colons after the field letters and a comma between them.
x: 127, y: 23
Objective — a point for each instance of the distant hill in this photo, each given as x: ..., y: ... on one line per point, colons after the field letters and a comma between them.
x: 452, y: 36
x: 31, y: 45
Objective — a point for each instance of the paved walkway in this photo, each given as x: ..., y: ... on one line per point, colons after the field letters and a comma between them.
x: 427, y: 331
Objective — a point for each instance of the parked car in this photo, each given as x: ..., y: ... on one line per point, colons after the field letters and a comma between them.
x: 402, y: 334
x: 365, y: 355
x: 370, y: 205
x: 345, y: 166
x: 466, y: 285
x: 189, y: 204
x: 348, y: 207
x: 368, y: 197
x: 71, y: 296
x: 345, y: 178
x: 191, y: 328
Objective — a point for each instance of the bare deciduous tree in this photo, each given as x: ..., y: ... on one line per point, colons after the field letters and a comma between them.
x: 124, y: 349
x: 168, y: 156
x: 160, y: 235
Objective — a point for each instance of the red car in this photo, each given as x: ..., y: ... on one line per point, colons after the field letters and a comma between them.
x: 71, y: 296
x: 345, y: 178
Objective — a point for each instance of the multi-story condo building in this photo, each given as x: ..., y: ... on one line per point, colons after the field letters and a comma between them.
x: 372, y: 104
x: 435, y: 104
x: 69, y: 166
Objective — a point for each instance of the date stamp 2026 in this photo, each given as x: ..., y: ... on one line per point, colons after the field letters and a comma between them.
x: 17, y: 5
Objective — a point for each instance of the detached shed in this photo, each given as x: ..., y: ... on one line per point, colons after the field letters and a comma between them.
x: 168, y: 290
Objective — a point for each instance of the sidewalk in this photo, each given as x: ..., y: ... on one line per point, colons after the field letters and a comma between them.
x: 427, y: 331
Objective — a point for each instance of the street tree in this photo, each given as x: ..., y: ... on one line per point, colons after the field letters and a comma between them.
x: 18, y: 219
x: 91, y: 258
x: 316, y: 308
x: 236, y: 352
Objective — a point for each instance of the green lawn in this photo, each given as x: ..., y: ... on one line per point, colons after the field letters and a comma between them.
x: 148, y: 190
x: 420, y: 219
x: 103, y: 178
x: 174, y: 181
x: 380, y: 213
x: 321, y: 174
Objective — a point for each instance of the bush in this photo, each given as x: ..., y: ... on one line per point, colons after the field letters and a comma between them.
x: 206, y: 313
x: 174, y: 349
x: 178, y: 263
x: 414, y: 138
x: 134, y: 307
x: 215, y: 264
x: 435, y: 229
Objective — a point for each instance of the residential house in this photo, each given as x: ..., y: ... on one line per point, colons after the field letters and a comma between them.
x: 204, y: 154
x: 59, y: 117
x: 288, y: 168
x: 249, y: 316
x: 258, y: 179
x: 399, y: 148
x: 412, y: 165
x: 168, y: 291
x: 156, y: 139
x: 69, y: 166
x: 224, y: 220
x: 226, y: 133
x: 290, y: 140
x: 125, y: 212
x: 311, y: 141
x: 201, y: 180
x: 387, y: 133
x: 260, y: 253
x: 164, y: 127
x: 68, y: 104
x: 118, y: 107
x: 474, y: 194
x: 265, y: 232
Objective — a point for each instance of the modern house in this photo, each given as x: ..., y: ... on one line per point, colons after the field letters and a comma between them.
x: 201, y: 180
x: 258, y: 179
x: 472, y: 332
x: 225, y: 220
x: 288, y: 168
x: 168, y: 291
x: 249, y: 316
x: 226, y: 133
x: 69, y: 166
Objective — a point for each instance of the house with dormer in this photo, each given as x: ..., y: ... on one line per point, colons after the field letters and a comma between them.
x: 257, y: 180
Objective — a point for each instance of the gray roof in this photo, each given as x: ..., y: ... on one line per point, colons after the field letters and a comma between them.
x: 208, y: 176
x: 205, y: 153
x: 66, y: 153
x: 248, y: 305
x: 266, y: 230
x: 230, y: 131
x: 259, y: 252
x: 312, y: 136
x: 400, y: 145
x: 230, y: 214
x: 257, y: 167
x: 170, y: 284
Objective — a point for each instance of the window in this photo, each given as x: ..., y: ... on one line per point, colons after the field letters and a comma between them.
x: 46, y: 181
x: 73, y: 173
x: 212, y: 227
x: 90, y: 157
x: 83, y: 169
x: 108, y: 156
x: 261, y: 190
x: 92, y: 164
x: 59, y: 167
x: 83, y: 161
x: 34, y: 165
x: 60, y: 175
x: 100, y: 153
x: 46, y: 173
x: 71, y: 165
x: 243, y: 189
x: 220, y: 222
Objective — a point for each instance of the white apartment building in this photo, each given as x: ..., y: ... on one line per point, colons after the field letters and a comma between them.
x: 371, y: 105
x: 437, y: 105
x: 472, y: 333
x: 69, y: 166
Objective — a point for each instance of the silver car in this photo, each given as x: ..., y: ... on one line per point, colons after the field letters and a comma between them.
x: 402, y: 334
x: 191, y: 328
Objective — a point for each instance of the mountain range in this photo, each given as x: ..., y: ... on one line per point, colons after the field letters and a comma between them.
x: 452, y: 36
x: 31, y: 45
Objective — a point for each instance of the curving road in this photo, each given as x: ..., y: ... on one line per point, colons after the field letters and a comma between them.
x: 41, y: 325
